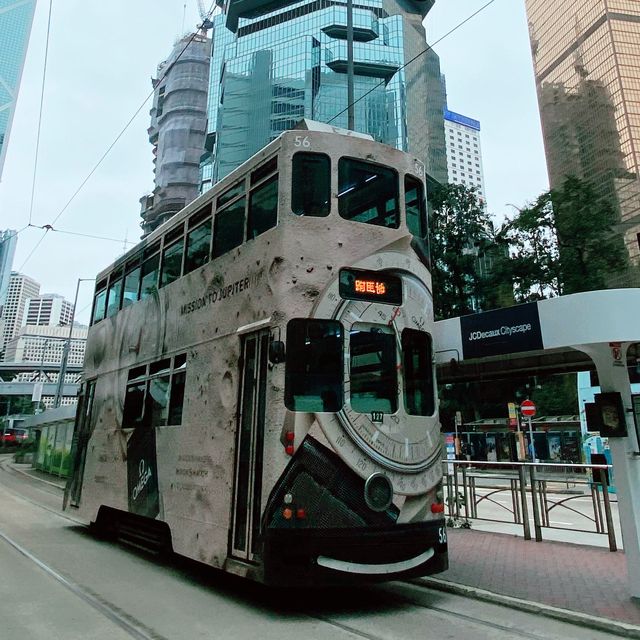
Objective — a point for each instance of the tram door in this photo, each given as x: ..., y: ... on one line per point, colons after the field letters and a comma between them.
x: 249, y: 445
x: 81, y: 433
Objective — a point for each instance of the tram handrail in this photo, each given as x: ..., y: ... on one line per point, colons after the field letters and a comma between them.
x: 529, y: 493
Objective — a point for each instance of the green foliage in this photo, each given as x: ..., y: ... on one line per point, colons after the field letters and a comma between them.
x: 460, y: 229
x: 563, y: 243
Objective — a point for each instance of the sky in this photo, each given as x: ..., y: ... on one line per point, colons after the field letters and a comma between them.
x: 102, y: 56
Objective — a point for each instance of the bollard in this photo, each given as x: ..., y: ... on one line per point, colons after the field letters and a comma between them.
x: 607, y: 512
x: 534, y: 502
x: 466, y: 492
x: 525, y: 509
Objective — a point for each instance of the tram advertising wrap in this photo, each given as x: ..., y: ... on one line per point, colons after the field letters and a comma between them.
x: 259, y: 390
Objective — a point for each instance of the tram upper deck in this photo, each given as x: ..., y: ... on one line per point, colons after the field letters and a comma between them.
x: 305, y: 204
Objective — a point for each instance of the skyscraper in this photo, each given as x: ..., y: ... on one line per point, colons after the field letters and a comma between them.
x: 587, y: 66
x: 16, y: 17
x: 464, y: 153
x: 8, y: 242
x: 48, y: 309
x: 279, y: 62
x: 178, y: 129
x: 21, y: 288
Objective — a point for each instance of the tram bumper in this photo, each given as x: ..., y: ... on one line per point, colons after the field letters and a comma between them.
x: 321, y: 557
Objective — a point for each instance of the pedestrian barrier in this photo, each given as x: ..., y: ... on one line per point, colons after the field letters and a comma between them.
x: 535, y: 488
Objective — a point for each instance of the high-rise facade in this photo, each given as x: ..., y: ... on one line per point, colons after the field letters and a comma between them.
x: 587, y: 66
x: 290, y: 62
x: 21, y: 288
x: 464, y: 152
x: 48, y: 309
x: 16, y: 17
x: 178, y: 129
x: 8, y: 242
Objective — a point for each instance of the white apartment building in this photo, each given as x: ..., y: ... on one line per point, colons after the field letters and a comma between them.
x: 48, y: 308
x: 43, y: 344
x: 464, y: 153
x: 21, y: 288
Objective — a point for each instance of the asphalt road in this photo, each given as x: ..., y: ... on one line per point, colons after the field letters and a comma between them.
x: 58, y: 581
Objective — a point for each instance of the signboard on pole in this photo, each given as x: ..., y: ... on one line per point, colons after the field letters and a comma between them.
x: 513, y: 416
x: 528, y: 408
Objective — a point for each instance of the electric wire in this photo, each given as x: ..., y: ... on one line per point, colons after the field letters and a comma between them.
x: 128, y: 124
x: 112, y: 145
x: 406, y: 64
x: 44, y: 78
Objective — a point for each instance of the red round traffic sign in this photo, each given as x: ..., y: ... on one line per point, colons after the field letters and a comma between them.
x: 528, y: 408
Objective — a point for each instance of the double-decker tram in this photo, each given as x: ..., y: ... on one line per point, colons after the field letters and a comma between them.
x: 259, y: 389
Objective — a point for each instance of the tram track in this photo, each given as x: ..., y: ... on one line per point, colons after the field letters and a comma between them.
x: 404, y: 600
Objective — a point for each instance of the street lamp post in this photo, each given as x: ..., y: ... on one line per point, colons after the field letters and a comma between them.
x: 67, y: 348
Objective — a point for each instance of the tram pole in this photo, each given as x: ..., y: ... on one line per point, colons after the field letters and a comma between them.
x: 67, y: 348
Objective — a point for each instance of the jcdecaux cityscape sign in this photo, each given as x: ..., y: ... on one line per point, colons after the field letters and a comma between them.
x: 501, y: 331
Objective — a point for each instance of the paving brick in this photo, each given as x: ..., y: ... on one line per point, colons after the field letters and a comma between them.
x: 587, y: 579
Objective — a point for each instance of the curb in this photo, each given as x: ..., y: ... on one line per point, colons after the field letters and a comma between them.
x: 13, y: 467
x: 624, y: 629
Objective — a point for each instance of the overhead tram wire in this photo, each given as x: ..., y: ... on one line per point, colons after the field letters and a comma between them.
x: 44, y: 77
x: 406, y: 64
x: 109, y: 148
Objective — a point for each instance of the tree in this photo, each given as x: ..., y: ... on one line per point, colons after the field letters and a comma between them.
x: 460, y: 229
x: 563, y: 243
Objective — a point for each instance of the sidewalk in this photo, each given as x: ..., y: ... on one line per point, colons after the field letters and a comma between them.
x: 579, y: 578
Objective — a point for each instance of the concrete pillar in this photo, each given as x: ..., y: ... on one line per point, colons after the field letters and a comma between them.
x: 613, y: 376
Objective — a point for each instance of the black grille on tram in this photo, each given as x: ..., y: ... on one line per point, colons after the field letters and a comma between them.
x: 329, y: 492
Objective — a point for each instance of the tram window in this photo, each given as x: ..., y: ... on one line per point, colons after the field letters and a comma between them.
x: 264, y: 170
x: 99, y: 305
x: 177, y: 396
x: 368, y: 193
x: 417, y: 367
x: 133, y: 414
x: 115, y: 291
x: 171, y: 263
x: 311, y: 185
x: 199, y: 216
x: 263, y: 208
x: 228, y: 230
x: 131, y: 287
x: 315, y: 365
x: 230, y: 194
x: 158, y: 400
x: 415, y: 206
x: 198, y: 241
x: 373, y: 370
x: 149, y: 281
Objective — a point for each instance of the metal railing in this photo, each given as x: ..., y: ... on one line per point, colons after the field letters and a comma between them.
x: 534, y: 488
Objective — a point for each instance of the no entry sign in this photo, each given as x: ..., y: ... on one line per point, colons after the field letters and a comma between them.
x: 528, y: 408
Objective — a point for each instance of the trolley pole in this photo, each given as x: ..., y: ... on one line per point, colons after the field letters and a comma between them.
x: 533, y: 444
x: 350, y: 71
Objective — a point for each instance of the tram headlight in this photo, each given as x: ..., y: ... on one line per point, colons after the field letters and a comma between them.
x: 378, y: 492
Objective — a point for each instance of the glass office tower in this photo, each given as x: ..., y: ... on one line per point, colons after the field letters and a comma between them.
x: 16, y: 17
x: 291, y: 63
x: 587, y: 65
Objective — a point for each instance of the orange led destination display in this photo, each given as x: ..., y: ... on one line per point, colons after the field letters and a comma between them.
x: 374, y: 286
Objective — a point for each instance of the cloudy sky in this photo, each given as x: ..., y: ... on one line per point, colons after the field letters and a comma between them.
x: 102, y: 56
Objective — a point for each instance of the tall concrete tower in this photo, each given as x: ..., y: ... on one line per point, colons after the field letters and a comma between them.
x: 178, y: 129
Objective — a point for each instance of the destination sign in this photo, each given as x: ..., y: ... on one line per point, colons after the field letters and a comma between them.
x: 373, y: 286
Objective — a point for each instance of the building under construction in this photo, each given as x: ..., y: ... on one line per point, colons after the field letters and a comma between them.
x: 178, y: 129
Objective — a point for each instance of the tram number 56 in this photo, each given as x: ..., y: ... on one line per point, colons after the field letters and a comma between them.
x: 301, y: 141
x: 442, y: 535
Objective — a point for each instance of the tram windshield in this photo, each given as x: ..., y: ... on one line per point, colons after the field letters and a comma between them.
x: 314, y: 369
x: 373, y: 369
x: 368, y: 193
